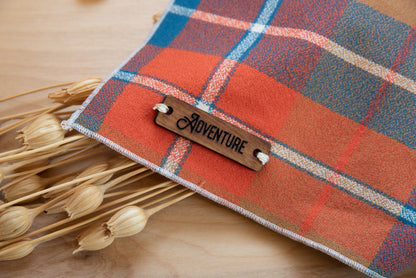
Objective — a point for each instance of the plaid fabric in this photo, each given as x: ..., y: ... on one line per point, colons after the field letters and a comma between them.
x: 330, y: 84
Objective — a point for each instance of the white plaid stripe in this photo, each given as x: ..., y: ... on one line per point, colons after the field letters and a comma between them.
x: 352, y: 187
x: 221, y: 75
x: 319, y: 40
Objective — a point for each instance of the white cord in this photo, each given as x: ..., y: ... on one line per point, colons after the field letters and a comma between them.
x: 264, y: 158
x: 161, y: 108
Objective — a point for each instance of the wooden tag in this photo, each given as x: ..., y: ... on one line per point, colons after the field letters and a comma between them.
x: 212, y: 133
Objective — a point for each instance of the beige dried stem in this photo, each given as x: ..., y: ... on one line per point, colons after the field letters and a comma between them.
x: 6, y: 170
x: 7, y: 252
x: 164, y: 187
x: 67, y: 184
x: 130, y: 181
x: 30, y: 185
x: 35, y: 90
x: 76, y: 156
x: 35, y: 165
x: 68, y: 149
x: 126, y: 222
x: 43, y: 149
x: 56, y: 193
x: 14, y: 125
x: 152, y: 210
x: 25, y: 114
x: 74, y: 94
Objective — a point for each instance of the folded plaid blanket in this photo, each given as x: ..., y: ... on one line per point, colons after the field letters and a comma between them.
x: 330, y: 84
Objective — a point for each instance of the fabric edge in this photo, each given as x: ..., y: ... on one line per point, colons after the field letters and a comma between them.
x: 70, y: 124
x: 226, y: 203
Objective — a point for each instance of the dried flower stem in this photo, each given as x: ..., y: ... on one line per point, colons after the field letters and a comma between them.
x: 20, y: 115
x: 79, y: 145
x: 5, y: 171
x: 70, y: 158
x: 165, y: 186
x: 122, y: 178
x: 70, y: 147
x: 43, y: 181
x: 42, y: 149
x: 64, y: 113
x: 14, y: 125
x: 18, y: 150
x: 63, y: 185
x: 131, y: 180
x: 118, y: 193
x: 106, y: 213
x: 36, y: 90
x: 83, y: 223
x: 153, y: 210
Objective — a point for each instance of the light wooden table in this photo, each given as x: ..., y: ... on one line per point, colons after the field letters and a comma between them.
x: 46, y: 42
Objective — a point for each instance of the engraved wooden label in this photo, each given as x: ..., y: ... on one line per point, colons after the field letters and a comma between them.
x: 212, y: 133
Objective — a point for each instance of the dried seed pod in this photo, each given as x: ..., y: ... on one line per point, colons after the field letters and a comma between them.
x: 95, y: 169
x: 76, y: 93
x: 93, y: 238
x: 41, y: 132
x: 23, y: 188
x: 14, y: 221
x: 127, y: 222
x: 84, y: 200
x: 18, y: 250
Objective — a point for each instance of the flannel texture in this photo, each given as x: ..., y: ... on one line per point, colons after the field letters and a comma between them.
x: 330, y: 84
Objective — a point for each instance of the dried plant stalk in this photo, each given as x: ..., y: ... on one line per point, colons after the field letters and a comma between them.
x: 10, y: 249
x: 162, y: 188
x: 41, y: 192
x: 82, y: 194
x: 35, y: 90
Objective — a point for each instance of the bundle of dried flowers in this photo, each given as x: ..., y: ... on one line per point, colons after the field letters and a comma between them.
x: 102, y: 199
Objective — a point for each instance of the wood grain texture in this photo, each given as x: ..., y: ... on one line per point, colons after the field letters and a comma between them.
x: 212, y: 133
x: 46, y: 42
